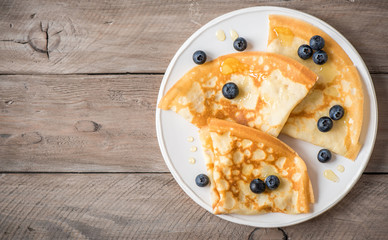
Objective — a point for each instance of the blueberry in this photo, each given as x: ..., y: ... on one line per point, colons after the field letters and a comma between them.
x: 324, y: 155
x: 199, y: 57
x: 320, y: 57
x: 305, y: 51
x: 325, y: 124
x: 336, y: 112
x: 240, y: 44
x: 230, y: 90
x: 257, y: 186
x: 202, y: 180
x: 317, y: 42
x: 272, y: 182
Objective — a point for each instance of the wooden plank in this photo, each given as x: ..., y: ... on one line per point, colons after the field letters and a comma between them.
x: 100, y: 123
x: 42, y: 36
x: 152, y: 206
x: 79, y: 123
x: 379, y: 160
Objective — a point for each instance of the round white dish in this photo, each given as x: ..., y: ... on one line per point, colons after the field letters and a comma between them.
x: 173, y: 130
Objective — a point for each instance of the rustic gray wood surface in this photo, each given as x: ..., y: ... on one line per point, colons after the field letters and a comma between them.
x: 152, y: 206
x: 78, y: 151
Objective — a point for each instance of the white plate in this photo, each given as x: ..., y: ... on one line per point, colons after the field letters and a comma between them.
x: 173, y: 130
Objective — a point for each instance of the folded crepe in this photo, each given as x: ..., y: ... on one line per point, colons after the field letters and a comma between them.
x: 236, y: 154
x: 339, y: 84
x: 270, y: 86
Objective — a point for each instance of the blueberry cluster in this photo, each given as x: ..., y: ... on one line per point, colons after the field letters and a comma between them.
x: 316, y: 43
x: 258, y: 186
x: 336, y: 112
x: 325, y: 124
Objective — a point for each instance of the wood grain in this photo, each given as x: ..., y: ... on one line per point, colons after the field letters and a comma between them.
x: 42, y: 36
x: 78, y: 123
x: 152, y: 206
x: 379, y: 158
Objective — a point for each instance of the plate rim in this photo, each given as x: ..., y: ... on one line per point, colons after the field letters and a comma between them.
x: 167, y: 160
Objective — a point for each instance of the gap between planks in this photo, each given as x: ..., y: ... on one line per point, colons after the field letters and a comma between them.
x: 119, y: 73
x: 118, y: 173
x: 57, y: 172
x: 85, y: 74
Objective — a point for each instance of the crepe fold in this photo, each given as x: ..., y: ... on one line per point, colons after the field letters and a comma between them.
x: 270, y: 86
x: 236, y: 154
x: 339, y: 83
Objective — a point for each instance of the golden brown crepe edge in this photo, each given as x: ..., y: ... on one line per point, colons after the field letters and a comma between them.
x: 357, y: 115
x: 204, y: 135
x: 181, y: 86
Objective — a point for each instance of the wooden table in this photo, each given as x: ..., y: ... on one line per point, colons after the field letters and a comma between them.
x: 78, y: 151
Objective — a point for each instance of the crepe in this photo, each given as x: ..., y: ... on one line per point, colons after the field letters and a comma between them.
x: 270, y: 86
x: 339, y: 83
x: 236, y: 154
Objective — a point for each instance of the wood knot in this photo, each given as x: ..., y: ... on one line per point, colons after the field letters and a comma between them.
x: 4, y: 135
x: 44, y: 40
x: 87, y: 126
x: 20, y: 139
x: 268, y: 233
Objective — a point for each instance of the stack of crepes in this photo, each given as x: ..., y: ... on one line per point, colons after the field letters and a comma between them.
x: 239, y: 135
